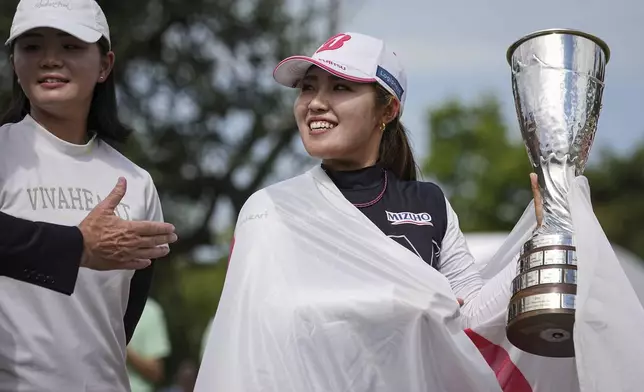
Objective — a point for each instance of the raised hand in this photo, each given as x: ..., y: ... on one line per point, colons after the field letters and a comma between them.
x: 113, y: 243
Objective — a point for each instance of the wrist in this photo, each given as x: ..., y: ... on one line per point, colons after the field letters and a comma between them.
x: 84, y: 261
x: 84, y: 258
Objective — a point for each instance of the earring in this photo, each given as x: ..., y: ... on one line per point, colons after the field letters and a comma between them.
x: 384, y: 125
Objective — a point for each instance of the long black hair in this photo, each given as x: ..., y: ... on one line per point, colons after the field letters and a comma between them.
x: 103, y: 116
x: 395, y: 151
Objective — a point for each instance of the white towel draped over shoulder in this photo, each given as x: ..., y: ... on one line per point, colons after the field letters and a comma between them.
x: 318, y: 299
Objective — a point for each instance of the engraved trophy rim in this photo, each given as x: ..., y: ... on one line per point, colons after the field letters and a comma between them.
x: 600, y: 42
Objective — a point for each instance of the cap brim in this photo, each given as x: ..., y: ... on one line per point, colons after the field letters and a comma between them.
x: 292, y: 69
x: 81, y: 32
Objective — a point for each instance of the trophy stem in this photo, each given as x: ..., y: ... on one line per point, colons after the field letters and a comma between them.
x: 555, y: 174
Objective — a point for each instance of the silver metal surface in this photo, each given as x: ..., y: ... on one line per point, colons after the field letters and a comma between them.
x: 558, y: 83
x: 544, y: 240
x: 546, y: 257
x: 545, y: 301
x: 539, y: 33
x: 544, y: 276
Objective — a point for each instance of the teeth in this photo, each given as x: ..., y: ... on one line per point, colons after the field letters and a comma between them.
x: 53, y: 81
x: 321, y: 125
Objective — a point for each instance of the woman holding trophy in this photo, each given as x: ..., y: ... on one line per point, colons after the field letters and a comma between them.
x: 347, y: 277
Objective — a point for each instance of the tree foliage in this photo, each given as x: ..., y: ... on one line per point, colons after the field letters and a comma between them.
x: 485, y: 173
x: 211, y: 126
x: 617, y: 193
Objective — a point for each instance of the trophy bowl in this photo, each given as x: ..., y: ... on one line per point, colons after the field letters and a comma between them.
x: 557, y: 83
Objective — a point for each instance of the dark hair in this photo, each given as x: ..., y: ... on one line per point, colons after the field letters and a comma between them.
x: 103, y: 113
x: 395, y: 152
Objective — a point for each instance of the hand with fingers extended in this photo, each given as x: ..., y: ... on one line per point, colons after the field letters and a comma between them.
x: 113, y: 243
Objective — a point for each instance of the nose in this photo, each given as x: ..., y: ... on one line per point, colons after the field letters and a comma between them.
x: 319, y: 103
x: 51, y: 58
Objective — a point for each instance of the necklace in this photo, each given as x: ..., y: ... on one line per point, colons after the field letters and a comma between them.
x: 377, y: 199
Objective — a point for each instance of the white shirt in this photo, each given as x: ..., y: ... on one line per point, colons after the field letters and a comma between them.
x: 50, y: 341
x: 481, y: 299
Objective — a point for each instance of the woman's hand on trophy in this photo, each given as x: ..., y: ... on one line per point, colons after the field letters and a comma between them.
x: 538, y: 201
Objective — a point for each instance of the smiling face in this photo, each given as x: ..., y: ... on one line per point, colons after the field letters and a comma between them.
x: 58, y: 72
x: 338, y: 120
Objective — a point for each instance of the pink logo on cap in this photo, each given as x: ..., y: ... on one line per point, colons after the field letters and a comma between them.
x: 334, y: 43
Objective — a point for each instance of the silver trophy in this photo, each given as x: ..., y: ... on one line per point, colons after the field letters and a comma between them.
x: 558, y: 82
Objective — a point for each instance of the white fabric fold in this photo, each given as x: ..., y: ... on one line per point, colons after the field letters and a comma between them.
x: 317, y: 299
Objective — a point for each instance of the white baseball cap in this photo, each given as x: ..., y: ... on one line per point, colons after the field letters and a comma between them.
x: 352, y: 56
x: 84, y: 19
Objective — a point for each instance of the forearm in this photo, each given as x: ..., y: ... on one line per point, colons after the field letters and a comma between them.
x: 151, y: 369
x: 43, y: 254
x: 492, y: 297
x: 482, y: 299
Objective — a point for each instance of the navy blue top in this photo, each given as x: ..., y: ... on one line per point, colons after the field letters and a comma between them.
x: 412, y: 213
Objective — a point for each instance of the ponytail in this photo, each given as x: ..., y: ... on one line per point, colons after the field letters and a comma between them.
x: 395, y: 152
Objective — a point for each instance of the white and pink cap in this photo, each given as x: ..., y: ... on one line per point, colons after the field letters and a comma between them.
x: 351, y: 56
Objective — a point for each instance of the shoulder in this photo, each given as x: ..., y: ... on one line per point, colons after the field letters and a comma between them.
x: 120, y: 161
x: 8, y: 131
x: 140, y: 183
x: 256, y: 208
x: 429, y: 188
x: 129, y: 169
x: 4, y: 129
x: 426, y: 190
x: 260, y: 205
x: 15, y: 146
x: 430, y: 198
x: 263, y: 195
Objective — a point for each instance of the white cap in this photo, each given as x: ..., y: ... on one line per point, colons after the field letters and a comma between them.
x: 84, y: 19
x: 351, y: 56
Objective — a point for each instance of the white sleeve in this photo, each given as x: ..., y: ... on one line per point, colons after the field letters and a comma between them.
x: 153, y: 209
x: 482, y: 300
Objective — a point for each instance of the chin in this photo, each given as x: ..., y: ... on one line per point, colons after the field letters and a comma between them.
x: 51, y: 99
x: 322, y: 147
x: 322, y: 152
x: 57, y: 95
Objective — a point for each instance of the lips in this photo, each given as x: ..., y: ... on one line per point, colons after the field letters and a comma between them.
x: 53, y: 79
x: 321, y: 125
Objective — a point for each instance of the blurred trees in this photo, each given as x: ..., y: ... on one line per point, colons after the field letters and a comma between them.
x: 195, y: 81
x: 617, y: 191
x: 484, y: 171
x: 211, y: 126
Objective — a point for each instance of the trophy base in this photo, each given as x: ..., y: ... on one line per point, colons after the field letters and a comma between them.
x: 541, y: 314
x: 546, y: 332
